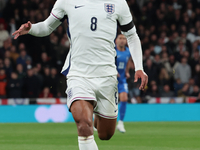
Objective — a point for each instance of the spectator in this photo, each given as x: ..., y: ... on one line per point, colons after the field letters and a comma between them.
x: 195, y: 91
x: 184, y: 91
x: 163, y: 77
x: 8, y: 67
x: 6, y: 46
x: 54, y: 81
x: 191, y: 85
x: 171, y: 65
x: 183, y: 71
x: 13, y: 54
x: 45, y: 60
x: 150, y: 70
x: 22, y: 59
x: 31, y: 87
x: 166, y: 92
x: 47, y: 77
x: 194, y: 61
x: 154, y: 91
x: 20, y: 71
x: 46, y: 93
x: 3, y: 83
x: 14, y: 86
x: 4, y: 35
x: 191, y: 35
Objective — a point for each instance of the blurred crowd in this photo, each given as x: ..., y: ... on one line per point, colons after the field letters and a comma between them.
x: 170, y: 36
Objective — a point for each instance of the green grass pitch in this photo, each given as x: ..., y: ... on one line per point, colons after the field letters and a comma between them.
x: 139, y: 136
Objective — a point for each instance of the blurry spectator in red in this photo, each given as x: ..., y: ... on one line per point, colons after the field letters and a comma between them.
x: 14, y: 86
x: 184, y: 91
x: 20, y: 71
x: 3, y: 83
x: 183, y: 71
x: 4, y: 35
x: 195, y: 91
x: 31, y: 85
x: 166, y: 91
x: 46, y: 93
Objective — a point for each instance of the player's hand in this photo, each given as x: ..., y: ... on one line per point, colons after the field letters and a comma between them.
x: 141, y: 74
x: 24, y: 29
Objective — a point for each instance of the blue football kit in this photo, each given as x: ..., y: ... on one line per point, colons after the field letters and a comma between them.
x: 121, y: 62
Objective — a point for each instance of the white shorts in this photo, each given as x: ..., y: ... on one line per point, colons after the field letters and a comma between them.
x: 102, y: 90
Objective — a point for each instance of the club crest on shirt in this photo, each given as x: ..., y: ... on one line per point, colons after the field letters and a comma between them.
x: 109, y: 8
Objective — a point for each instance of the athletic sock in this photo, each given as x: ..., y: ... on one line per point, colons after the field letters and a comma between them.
x: 87, y: 143
x: 122, y: 110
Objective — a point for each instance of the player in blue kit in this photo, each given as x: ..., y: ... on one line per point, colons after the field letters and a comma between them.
x: 123, y: 57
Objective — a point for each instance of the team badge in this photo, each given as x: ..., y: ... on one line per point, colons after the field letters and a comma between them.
x: 109, y: 8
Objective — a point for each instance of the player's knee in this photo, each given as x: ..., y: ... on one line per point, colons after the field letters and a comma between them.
x: 105, y: 136
x: 84, y: 127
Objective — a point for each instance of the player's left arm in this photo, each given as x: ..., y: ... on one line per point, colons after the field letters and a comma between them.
x: 128, y: 29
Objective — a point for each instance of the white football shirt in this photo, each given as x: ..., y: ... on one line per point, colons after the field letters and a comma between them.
x: 92, y: 30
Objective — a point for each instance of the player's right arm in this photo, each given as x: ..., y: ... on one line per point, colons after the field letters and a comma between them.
x: 128, y: 29
x: 46, y: 27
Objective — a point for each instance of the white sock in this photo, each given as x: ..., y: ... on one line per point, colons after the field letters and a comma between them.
x: 87, y: 143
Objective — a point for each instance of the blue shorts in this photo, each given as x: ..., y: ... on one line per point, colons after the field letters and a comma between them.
x: 122, y: 87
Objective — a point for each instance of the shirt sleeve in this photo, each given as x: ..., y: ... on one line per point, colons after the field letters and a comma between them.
x: 58, y: 10
x: 125, y: 16
x: 135, y: 48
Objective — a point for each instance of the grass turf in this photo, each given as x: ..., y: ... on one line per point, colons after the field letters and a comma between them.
x: 139, y: 136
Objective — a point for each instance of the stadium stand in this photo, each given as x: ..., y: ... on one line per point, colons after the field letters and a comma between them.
x: 170, y: 35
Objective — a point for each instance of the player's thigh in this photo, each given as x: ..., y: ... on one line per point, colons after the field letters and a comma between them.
x: 82, y: 112
x: 123, y: 97
x: 105, y: 127
x: 107, y: 97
